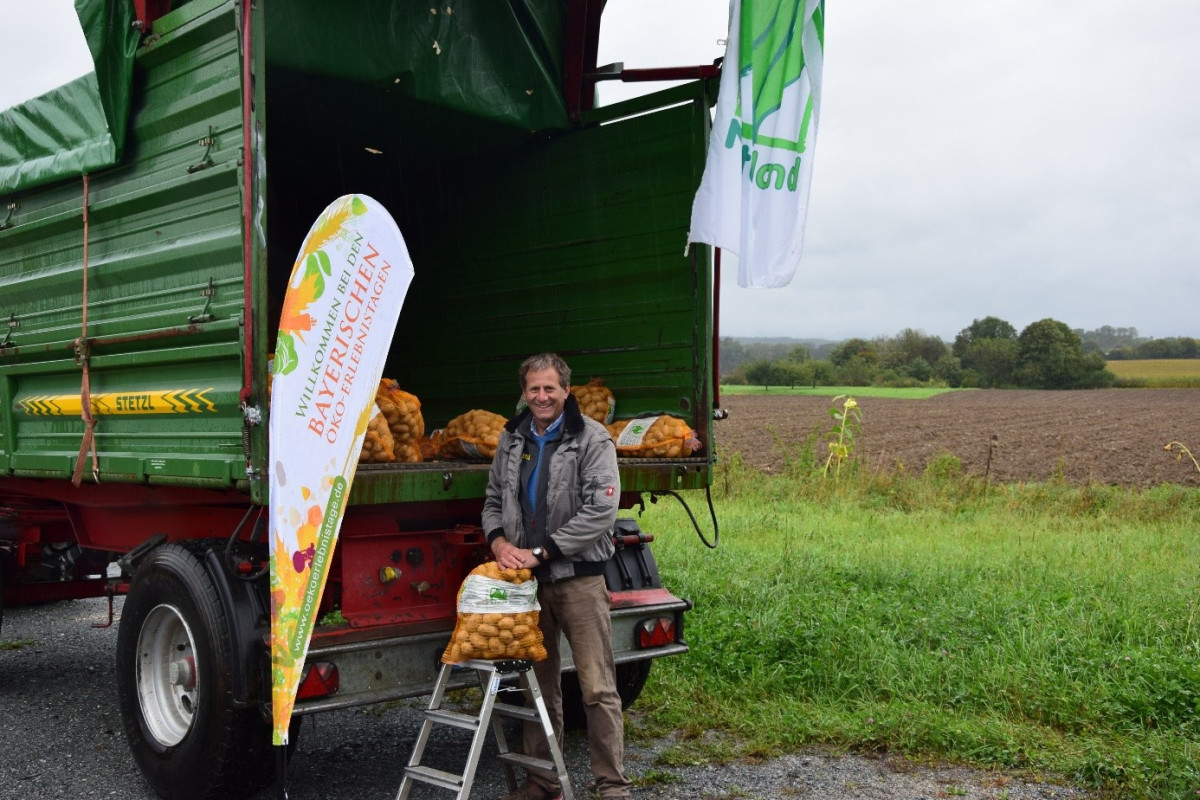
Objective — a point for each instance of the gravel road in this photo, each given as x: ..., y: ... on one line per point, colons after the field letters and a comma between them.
x: 60, y: 736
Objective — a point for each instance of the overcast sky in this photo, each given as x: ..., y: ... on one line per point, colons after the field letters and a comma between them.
x: 978, y: 158
x: 973, y: 159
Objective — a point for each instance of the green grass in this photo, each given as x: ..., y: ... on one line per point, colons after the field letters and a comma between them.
x: 1038, y: 628
x: 912, y: 393
x: 16, y: 644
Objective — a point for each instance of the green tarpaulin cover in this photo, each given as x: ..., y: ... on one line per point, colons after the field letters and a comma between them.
x: 499, y: 60
x: 80, y: 126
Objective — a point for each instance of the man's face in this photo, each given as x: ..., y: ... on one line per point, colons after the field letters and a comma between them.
x: 545, y: 396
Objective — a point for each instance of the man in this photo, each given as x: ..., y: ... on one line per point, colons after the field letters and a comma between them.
x: 550, y: 506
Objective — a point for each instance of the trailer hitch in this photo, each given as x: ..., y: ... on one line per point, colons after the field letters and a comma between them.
x: 110, y: 591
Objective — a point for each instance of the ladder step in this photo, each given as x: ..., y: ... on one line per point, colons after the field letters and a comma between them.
x: 488, y: 673
x: 437, y: 777
x: 540, y: 765
x: 454, y: 718
x: 503, y: 667
x: 516, y: 712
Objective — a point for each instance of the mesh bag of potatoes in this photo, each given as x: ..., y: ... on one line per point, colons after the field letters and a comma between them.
x: 662, y: 436
x: 475, y: 434
x: 426, y: 448
x: 403, y: 414
x: 378, y: 446
x: 497, y: 617
x: 596, y: 401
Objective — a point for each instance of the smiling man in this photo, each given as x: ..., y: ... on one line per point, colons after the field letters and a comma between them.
x: 551, y: 505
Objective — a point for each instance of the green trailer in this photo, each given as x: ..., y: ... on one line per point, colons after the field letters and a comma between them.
x: 150, y: 214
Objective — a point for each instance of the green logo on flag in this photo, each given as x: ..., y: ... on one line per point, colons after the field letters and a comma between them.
x: 771, y: 65
x: 770, y: 52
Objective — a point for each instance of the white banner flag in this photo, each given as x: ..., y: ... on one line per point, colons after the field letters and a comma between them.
x: 343, y: 300
x: 753, y: 197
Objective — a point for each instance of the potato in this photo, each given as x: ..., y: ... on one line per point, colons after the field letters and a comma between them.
x: 407, y: 453
x: 378, y: 445
x: 504, y: 633
x: 475, y: 434
x: 402, y: 410
x: 663, y: 436
x: 595, y: 400
x: 615, y: 427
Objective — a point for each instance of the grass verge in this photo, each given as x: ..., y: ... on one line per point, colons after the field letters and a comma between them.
x: 1043, y: 628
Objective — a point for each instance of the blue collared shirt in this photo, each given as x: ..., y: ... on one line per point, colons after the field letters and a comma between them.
x: 553, y: 431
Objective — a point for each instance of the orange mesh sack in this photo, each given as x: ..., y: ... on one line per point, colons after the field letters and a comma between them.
x: 596, y: 401
x: 403, y: 413
x: 497, y: 617
x: 655, y: 437
x: 475, y: 434
x: 408, y: 453
x: 426, y: 448
x: 378, y: 447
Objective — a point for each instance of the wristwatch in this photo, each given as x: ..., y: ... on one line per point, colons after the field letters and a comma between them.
x: 540, y: 554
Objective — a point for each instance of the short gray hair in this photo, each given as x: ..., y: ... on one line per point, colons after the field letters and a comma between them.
x: 545, y: 361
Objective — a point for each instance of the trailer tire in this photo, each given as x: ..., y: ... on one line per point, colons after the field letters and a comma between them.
x: 174, y: 658
x: 631, y: 679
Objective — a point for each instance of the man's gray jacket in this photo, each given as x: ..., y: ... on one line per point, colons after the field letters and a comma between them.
x: 583, y: 489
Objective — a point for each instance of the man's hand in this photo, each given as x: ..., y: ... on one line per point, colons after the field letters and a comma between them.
x: 509, y: 556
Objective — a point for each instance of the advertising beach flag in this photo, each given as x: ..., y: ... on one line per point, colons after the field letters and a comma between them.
x: 342, y: 303
x: 753, y: 196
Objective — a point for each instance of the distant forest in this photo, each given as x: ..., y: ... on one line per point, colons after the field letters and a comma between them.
x: 988, y: 353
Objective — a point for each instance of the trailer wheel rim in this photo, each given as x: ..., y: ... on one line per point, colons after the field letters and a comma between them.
x: 167, y: 677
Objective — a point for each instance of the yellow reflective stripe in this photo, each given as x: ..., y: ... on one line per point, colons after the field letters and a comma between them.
x: 164, y: 401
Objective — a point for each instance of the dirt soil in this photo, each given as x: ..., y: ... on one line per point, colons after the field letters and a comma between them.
x: 1108, y: 436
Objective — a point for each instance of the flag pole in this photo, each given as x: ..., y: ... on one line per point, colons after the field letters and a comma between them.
x: 280, y: 772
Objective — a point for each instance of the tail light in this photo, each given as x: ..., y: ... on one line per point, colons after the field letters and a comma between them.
x: 318, y: 680
x: 656, y: 632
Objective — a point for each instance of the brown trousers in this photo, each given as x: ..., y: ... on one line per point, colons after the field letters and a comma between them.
x: 578, y: 607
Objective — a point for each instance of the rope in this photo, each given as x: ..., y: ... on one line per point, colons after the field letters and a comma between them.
x: 83, y: 355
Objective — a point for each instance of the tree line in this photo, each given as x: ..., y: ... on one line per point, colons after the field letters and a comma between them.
x: 1124, y: 344
x: 988, y: 353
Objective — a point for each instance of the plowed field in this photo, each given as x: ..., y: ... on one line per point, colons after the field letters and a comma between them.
x: 1112, y: 436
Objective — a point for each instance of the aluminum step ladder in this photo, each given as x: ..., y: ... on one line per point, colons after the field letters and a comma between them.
x: 491, y: 674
